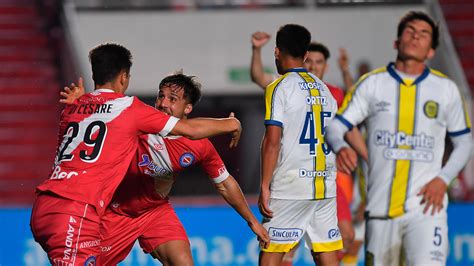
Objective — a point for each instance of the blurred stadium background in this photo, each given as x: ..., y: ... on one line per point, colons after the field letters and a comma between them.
x: 44, y: 46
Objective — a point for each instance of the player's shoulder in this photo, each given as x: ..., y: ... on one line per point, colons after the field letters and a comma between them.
x: 380, y: 74
x: 376, y: 73
x: 439, y: 76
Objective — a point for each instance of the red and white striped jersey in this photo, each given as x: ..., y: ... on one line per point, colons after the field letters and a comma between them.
x: 98, y: 136
x: 155, y: 167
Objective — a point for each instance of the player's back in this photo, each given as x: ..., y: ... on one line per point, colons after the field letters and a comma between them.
x: 96, y: 142
x: 302, y: 105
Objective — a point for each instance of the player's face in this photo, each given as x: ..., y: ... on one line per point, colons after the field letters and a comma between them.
x: 316, y: 64
x: 171, y: 101
x: 415, y: 41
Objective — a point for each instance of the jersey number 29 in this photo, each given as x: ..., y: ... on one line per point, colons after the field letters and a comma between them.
x: 73, y: 130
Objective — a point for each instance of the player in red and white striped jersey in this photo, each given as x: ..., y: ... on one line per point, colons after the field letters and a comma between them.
x: 98, y: 136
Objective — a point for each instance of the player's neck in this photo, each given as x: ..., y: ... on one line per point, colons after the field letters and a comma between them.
x: 410, y: 67
x: 290, y: 62
x: 111, y: 86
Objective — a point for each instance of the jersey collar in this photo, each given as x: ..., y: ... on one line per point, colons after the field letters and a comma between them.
x: 296, y: 69
x: 393, y: 73
x: 104, y: 90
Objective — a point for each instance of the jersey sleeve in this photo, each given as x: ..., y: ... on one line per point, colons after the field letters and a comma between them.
x: 275, y: 103
x: 355, y: 107
x: 149, y: 120
x: 458, y: 121
x: 212, y: 163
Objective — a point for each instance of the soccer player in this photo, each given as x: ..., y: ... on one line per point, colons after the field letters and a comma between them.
x: 408, y: 109
x: 315, y: 63
x: 141, y: 209
x: 98, y: 137
x: 298, y: 184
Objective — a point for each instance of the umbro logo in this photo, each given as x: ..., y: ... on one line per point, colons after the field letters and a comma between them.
x: 382, y: 106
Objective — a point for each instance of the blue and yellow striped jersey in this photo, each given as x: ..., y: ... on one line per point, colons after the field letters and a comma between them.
x: 302, y: 106
x: 407, y: 121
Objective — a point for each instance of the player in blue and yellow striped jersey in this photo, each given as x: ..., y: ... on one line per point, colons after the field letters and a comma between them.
x: 408, y: 109
x: 298, y: 186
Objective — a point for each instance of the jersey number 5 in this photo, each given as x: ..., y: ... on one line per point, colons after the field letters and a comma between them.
x: 97, y: 128
x: 312, y: 139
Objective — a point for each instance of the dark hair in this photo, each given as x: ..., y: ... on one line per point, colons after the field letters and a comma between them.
x: 319, y: 47
x: 293, y: 40
x: 419, y: 15
x: 107, y: 60
x: 192, y: 88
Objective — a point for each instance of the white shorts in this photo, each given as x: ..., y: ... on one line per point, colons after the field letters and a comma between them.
x: 422, y: 238
x: 315, y: 220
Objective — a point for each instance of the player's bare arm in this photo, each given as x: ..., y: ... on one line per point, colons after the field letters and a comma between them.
x: 229, y: 189
x: 257, y: 73
x: 343, y: 62
x: 269, y: 156
x: 198, y: 128
x: 355, y: 139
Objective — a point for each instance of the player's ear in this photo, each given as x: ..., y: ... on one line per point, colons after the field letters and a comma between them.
x: 431, y: 53
x: 277, y: 52
x: 395, y: 44
x: 188, y: 109
x: 123, y: 77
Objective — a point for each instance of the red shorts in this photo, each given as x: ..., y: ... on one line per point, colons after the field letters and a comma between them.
x: 69, y: 231
x: 343, y: 210
x: 152, y: 228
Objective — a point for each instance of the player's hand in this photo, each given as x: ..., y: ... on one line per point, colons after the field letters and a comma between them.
x: 263, y: 202
x: 346, y: 160
x: 259, y: 39
x: 433, y: 195
x: 262, y: 234
x: 343, y: 59
x: 73, y: 92
x: 236, y: 134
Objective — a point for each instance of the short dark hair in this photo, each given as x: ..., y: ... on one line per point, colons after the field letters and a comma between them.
x: 293, y: 40
x: 107, y: 60
x: 192, y: 88
x: 319, y: 47
x: 419, y: 15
